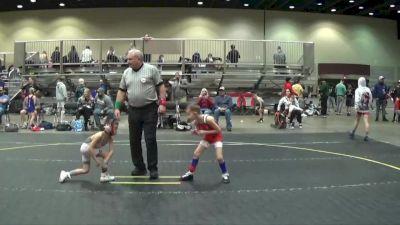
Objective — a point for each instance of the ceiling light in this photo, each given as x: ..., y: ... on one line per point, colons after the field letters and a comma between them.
x: 392, y: 6
x: 246, y: 4
x: 319, y: 3
x: 361, y: 7
x: 33, y: 1
x: 228, y: 0
x: 20, y: 6
x: 333, y: 10
x: 371, y: 13
x: 61, y: 4
x: 398, y: 11
x: 351, y: 1
x: 291, y: 7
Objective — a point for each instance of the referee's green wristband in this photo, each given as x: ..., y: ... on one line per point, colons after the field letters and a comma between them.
x: 118, y: 104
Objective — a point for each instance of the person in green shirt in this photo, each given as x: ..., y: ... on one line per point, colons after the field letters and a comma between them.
x: 340, y: 96
x: 324, y: 93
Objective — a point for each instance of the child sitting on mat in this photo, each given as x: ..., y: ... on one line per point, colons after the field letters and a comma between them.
x: 90, y: 149
x: 212, y: 135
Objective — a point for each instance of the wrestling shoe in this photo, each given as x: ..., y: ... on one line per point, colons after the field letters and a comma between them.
x: 291, y: 126
x: 366, y: 139
x: 105, y: 177
x: 352, y: 134
x: 225, y: 178
x: 153, y: 175
x: 63, y: 176
x: 301, y: 126
x: 188, y: 176
x: 260, y: 121
x: 138, y: 172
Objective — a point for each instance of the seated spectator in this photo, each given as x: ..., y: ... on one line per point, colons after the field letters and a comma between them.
x: 80, y: 89
x: 87, y: 55
x: 179, y: 88
x: 104, y: 85
x: 196, y: 58
x: 223, y: 104
x: 102, y: 106
x: 29, y: 108
x: 209, y: 58
x: 233, y: 55
x: 73, y: 56
x: 4, y: 98
x: 56, y: 55
x: 44, y: 59
x: 111, y: 57
x: 85, y: 107
x: 290, y: 104
x: 205, y: 102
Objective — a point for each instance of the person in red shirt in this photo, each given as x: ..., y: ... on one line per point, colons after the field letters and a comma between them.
x: 212, y: 135
x: 397, y: 110
x: 288, y: 86
x: 205, y: 102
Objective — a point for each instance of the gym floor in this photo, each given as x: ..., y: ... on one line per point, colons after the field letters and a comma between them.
x: 276, y: 178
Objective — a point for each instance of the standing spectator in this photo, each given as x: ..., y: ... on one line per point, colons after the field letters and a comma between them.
x: 224, y: 105
x: 87, y: 55
x: 324, y: 93
x: 205, y: 102
x: 160, y: 61
x: 73, y: 56
x: 80, y: 89
x: 179, y: 88
x: 287, y: 86
x: 61, y: 97
x: 332, y: 99
x: 396, y: 110
x: 340, y: 95
x: 147, y: 56
x: 298, y: 89
x: 279, y: 57
x: 85, y: 107
x: 260, y: 103
x: 139, y: 85
x: 4, y: 98
x: 380, y: 93
x: 56, y: 55
x: 395, y: 97
x: 233, y: 55
x: 349, y: 99
x: 102, y: 106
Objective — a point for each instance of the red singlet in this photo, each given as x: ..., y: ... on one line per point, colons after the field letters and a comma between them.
x: 210, y: 138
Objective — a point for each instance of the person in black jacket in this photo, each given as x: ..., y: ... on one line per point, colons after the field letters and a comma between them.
x: 233, y: 55
x: 56, y: 55
x: 73, y: 56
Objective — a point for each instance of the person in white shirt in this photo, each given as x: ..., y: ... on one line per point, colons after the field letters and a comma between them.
x: 261, y: 107
x: 292, y: 106
x: 363, y: 103
x: 87, y: 55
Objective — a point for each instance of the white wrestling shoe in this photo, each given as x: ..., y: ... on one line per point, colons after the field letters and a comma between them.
x: 225, y: 178
x: 63, y: 176
x: 104, y: 178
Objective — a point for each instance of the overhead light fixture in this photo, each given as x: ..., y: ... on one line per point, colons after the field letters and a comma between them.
x: 20, y: 6
x: 62, y: 4
x: 319, y: 3
x: 33, y: 1
x: 392, y: 6
x: 371, y: 13
x: 361, y: 7
x: 333, y: 10
x: 398, y: 11
x: 351, y: 1
x: 199, y: 3
x: 246, y: 4
x: 291, y: 7
x: 228, y: 0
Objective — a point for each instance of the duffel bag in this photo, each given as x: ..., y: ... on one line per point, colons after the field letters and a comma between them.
x: 11, y: 127
x: 63, y: 127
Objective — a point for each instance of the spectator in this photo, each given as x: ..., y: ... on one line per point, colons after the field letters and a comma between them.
x: 224, y: 105
x: 261, y: 107
x: 396, y: 110
x: 29, y: 108
x: 160, y: 61
x: 87, y: 55
x: 324, y: 94
x: 111, y: 57
x: 103, y: 106
x: 80, y: 89
x: 4, y: 98
x: 297, y: 89
x: 147, y: 56
x: 380, y: 93
x: 287, y: 86
x: 292, y: 106
x: 349, y: 99
x: 73, y: 56
x: 2, y: 83
x: 31, y: 83
x: 205, y: 102
x: 56, y: 55
x: 332, y: 98
x: 44, y: 59
x: 279, y: 57
x: 233, y: 55
x: 340, y: 93
x: 196, y: 58
x: 85, y: 107
x: 179, y: 88
x: 395, y: 97
x: 209, y: 58
x: 13, y: 72
x: 104, y: 85
x: 61, y: 97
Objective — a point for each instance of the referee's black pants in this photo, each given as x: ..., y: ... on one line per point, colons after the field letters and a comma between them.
x: 143, y: 119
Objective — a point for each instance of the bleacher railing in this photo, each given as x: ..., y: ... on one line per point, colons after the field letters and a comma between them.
x: 188, y: 56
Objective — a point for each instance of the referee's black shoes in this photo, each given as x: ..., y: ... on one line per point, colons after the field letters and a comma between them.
x: 139, y: 172
x: 153, y: 175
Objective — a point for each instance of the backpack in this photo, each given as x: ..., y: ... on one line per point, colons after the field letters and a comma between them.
x: 11, y: 127
x: 46, y: 125
x: 77, y: 125
x: 63, y: 127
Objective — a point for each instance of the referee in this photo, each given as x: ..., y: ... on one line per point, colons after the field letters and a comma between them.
x: 139, y: 86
